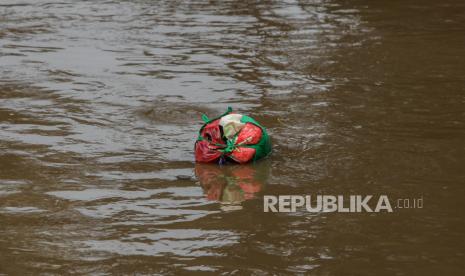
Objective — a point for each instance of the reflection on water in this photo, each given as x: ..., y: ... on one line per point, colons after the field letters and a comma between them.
x: 100, y: 104
x: 232, y: 184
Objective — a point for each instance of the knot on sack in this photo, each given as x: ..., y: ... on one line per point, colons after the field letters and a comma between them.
x: 230, y: 146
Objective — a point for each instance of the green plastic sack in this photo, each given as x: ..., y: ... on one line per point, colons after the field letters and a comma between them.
x: 246, y: 140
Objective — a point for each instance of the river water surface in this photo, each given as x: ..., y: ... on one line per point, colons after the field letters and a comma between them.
x: 100, y: 102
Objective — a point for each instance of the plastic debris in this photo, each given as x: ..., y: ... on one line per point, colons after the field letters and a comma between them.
x: 231, y: 125
x: 233, y: 138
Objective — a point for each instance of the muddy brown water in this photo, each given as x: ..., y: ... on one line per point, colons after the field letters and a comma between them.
x: 101, y: 101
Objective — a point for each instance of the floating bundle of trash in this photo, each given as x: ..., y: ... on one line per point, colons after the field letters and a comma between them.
x: 231, y: 137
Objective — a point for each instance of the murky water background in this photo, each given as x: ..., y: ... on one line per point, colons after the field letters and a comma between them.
x: 100, y: 104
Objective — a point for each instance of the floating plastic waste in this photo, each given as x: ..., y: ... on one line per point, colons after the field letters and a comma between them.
x: 231, y: 137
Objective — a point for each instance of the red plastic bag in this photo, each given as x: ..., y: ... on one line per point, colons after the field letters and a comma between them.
x: 231, y: 137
